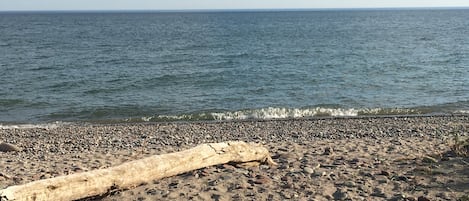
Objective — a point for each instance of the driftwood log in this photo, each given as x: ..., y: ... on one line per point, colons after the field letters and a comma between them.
x: 134, y: 173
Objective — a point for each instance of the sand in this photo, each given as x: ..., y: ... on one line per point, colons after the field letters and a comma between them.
x: 368, y: 158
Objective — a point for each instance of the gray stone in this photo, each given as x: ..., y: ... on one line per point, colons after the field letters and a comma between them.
x: 428, y: 159
x: 381, y: 179
x: 379, y: 192
x: 340, y: 194
x: 349, y: 184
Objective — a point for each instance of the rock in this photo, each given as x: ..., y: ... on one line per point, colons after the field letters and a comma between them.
x: 308, y: 170
x: 328, y: 151
x: 385, y: 173
x: 260, y: 179
x: 428, y: 159
x: 349, y: 184
x: 6, y: 147
x: 402, y: 178
x: 422, y: 198
x: 340, y: 194
x: 398, y: 197
x: 381, y: 179
x: 286, y: 195
x: 317, y: 165
x: 354, y: 161
x: 379, y: 192
x: 152, y: 191
x: 319, y: 173
x: 444, y: 195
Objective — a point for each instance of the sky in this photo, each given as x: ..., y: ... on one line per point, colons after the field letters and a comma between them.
x: 15, y: 5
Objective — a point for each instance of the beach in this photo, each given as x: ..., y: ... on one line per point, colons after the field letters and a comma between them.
x: 355, y: 158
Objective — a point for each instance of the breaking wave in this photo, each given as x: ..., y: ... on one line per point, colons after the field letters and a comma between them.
x: 284, y: 113
x: 30, y: 126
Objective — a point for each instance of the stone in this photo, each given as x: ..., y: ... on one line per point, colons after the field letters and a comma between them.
x: 340, y: 194
x: 349, y: 184
x: 260, y: 179
x: 422, y: 198
x: 385, y: 173
x: 328, y: 151
x: 444, y: 195
x: 308, y: 170
x: 379, y: 192
x: 381, y: 179
x: 428, y: 159
x: 398, y: 197
x: 402, y: 178
x: 319, y: 173
x: 7, y: 147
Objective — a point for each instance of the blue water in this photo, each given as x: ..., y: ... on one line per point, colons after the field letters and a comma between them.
x: 232, y: 65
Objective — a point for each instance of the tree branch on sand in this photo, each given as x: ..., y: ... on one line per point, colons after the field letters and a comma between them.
x: 134, y: 173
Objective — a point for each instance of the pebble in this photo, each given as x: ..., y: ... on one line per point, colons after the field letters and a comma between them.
x: 428, y: 159
x: 319, y: 173
x: 260, y: 179
x: 328, y: 151
x: 272, y: 132
x: 381, y: 179
x: 444, y: 195
x: 340, y: 194
x: 378, y: 192
x: 385, y: 173
x: 398, y: 197
x: 350, y: 184
x: 423, y: 198
x: 308, y: 170
x: 402, y: 178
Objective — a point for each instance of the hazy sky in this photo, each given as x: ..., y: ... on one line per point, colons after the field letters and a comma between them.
x: 217, y: 4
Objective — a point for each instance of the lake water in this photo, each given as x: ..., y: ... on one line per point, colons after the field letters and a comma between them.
x: 163, y: 66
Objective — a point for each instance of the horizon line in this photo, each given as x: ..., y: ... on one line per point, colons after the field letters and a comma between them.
x: 239, y: 9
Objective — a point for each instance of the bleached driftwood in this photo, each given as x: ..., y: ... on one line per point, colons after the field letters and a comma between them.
x: 134, y: 173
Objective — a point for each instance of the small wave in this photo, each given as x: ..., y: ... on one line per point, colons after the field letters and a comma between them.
x: 280, y: 113
x: 30, y: 126
x: 461, y: 112
x: 283, y: 113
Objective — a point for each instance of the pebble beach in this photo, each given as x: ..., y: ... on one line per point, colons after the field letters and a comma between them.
x: 359, y: 158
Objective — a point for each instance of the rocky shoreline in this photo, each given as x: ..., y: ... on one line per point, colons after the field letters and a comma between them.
x: 366, y: 158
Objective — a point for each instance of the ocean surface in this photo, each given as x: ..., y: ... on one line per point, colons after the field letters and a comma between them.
x: 167, y: 66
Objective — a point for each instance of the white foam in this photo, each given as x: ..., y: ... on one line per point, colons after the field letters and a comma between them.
x: 283, y: 113
x: 462, y: 112
x: 286, y: 113
x: 30, y: 126
x: 146, y: 119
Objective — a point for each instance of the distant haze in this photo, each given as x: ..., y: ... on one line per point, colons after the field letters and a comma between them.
x: 10, y: 5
